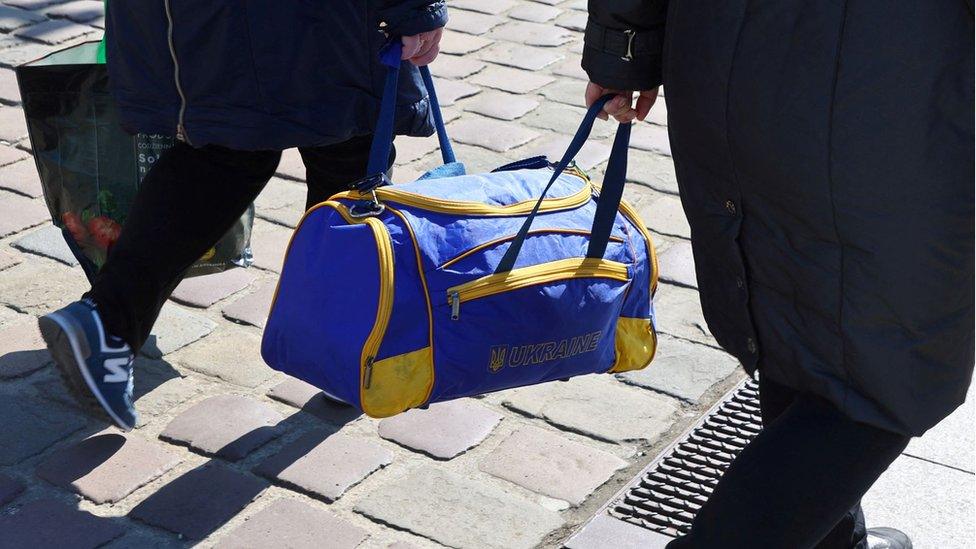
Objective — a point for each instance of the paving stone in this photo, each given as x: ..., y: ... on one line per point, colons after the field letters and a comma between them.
x: 490, y: 134
x: 18, y: 213
x: 21, y: 178
x: 54, y: 31
x: 291, y: 166
x: 197, y: 503
x: 571, y: 68
x: 47, y: 241
x: 325, y: 464
x: 648, y: 137
x: 31, y: 426
x: 659, y: 112
x: 520, y: 57
x: 598, y: 407
x: 510, y: 80
x: 444, y: 430
x: 82, y: 11
x: 592, y: 153
x: 654, y: 171
x: 8, y: 260
x: 565, y: 91
x: 159, y: 388
x: 22, y: 351
x: 10, y: 488
x: 253, y: 308
x: 227, y: 426
x: 401, y: 545
x: 295, y: 525
x: 552, y: 465
x: 15, y: 55
x: 232, y: 355
x: 454, y: 67
x: 409, y: 149
x: 533, y: 12
x: 50, y: 523
x: 459, y: 512
x: 13, y: 18
x: 204, y: 291
x: 494, y: 7
x: 458, y: 43
x: 473, y: 23
x: 605, y: 531
x: 663, y: 214
x: 678, y: 265
x: 532, y: 34
x: 269, y: 242
x: 502, y: 106
x: 107, y: 467
x: 31, y: 4
x: 450, y: 91
x: 282, y: 202
x: 8, y: 154
x: 37, y: 287
x: 683, y: 369
x: 953, y: 441
x: 310, y: 399
x: 573, y: 20
x: 678, y: 313
x: 565, y: 119
x: 176, y: 328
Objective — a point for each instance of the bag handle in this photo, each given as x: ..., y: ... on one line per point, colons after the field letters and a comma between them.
x: 610, y: 195
x: 379, y: 151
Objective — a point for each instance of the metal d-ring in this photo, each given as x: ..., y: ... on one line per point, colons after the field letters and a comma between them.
x: 375, y: 207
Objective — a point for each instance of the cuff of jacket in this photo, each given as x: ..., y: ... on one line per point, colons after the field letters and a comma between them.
x: 640, y: 69
x: 415, y: 21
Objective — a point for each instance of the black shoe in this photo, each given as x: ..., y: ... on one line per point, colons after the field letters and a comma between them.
x: 888, y: 538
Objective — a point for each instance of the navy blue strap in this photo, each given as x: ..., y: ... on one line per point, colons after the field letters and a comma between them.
x: 379, y: 151
x: 611, y: 194
x: 618, y: 157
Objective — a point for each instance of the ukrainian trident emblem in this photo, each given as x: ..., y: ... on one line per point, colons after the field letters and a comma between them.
x: 498, y: 355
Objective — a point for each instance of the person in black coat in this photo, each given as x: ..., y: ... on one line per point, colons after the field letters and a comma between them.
x: 236, y: 82
x: 824, y: 156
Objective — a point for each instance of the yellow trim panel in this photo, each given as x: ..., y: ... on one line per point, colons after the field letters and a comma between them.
x: 539, y: 274
x: 635, y: 344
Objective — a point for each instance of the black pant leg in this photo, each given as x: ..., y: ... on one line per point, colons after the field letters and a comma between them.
x: 186, y: 203
x: 332, y: 168
x: 796, y: 482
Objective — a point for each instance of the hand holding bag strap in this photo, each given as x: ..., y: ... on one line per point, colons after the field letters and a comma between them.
x: 616, y: 168
x: 379, y: 151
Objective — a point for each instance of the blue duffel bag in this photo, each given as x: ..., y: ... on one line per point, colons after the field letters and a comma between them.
x: 394, y: 297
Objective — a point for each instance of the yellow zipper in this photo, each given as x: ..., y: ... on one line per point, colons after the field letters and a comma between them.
x: 630, y: 213
x: 384, y: 248
x: 562, y: 269
x: 497, y: 241
x: 462, y: 207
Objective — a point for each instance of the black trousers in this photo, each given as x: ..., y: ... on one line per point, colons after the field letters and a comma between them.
x: 799, y: 483
x: 187, y: 202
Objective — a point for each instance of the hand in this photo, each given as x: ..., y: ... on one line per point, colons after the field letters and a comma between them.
x: 421, y: 49
x: 622, y: 107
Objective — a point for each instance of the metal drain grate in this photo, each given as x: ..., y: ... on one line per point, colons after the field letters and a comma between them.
x: 675, y: 486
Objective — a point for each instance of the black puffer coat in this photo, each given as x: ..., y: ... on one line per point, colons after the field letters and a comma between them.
x: 824, y: 154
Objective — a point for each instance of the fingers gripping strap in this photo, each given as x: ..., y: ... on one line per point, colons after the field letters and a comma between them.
x: 511, y: 255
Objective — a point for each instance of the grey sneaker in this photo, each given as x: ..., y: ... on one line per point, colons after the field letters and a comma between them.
x: 888, y: 538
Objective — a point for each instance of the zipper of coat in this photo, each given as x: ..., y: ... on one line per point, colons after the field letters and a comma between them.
x: 180, y: 127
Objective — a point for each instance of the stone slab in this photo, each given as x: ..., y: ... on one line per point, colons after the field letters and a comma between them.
x: 204, y: 291
x: 159, y: 388
x: 474, y: 23
x: 13, y: 18
x: 554, y: 146
x: 458, y: 43
x: 18, y: 213
x: 253, y: 308
x: 451, y: 91
x: 458, y: 511
x: 683, y: 369
x: 107, y: 467
x: 520, y: 57
x: 325, y: 464
x: 48, y: 241
x: 269, y: 242
x: 32, y: 426
x: 598, y: 407
x: 678, y: 313
x: 291, y: 165
x: 21, y: 177
x: 81, y: 11
x: 22, y: 350
x: 54, y: 31
x: 530, y: 11
x: 199, y: 502
x: 310, y: 399
x: 502, y: 106
x: 495, y: 7
x: 663, y: 214
x: 10, y: 488
x: 572, y: 20
x: 532, y: 34
x: 38, y: 287
x: 227, y: 426
x: 490, y: 134
x: 550, y: 464
x: 515, y: 81
x: 951, y: 442
x: 231, y: 354
x: 931, y: 503
x: 565, y: 119
x: 677, y: 265
x: 653, y: 171
x: 605, y: 531
x: 648, y: 137
x: 569, y: 92
x: 31, y: 526
x: 571, y: 68
x: 8, y: 260
x: 176, y: 328
x: 295, y: 525
x: 444, y: 430
x: 13, y: 125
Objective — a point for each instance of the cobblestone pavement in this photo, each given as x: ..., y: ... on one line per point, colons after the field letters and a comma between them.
x: 232, y: 454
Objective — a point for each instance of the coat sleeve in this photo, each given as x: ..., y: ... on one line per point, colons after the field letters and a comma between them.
x: 409, y: 17
x: 623, y: 43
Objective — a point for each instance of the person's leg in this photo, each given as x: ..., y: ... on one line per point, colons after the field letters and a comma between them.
x: 186, y: 203
x: 796, y: 482
x: 332, y: 168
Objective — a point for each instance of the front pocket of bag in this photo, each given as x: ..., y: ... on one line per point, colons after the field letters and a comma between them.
x: 541, y: 323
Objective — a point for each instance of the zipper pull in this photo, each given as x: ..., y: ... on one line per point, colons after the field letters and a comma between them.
x: 180, y: 133
x: 368, y: 375
x: 455, y: 299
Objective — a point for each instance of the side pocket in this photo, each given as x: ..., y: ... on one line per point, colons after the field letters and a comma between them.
x: 398, y: 383
x: 635, y: 344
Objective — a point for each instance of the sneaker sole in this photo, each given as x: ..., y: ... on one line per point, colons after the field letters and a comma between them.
x: 69, y: 355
